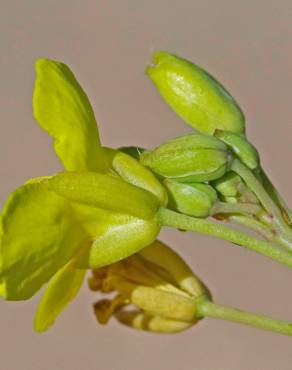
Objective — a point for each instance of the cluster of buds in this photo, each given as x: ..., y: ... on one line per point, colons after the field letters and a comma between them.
x: 106, y: 210
x: 216, y: 171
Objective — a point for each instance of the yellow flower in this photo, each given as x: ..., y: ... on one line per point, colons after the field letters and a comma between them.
x: 154, y: 290
x: 103, y: 209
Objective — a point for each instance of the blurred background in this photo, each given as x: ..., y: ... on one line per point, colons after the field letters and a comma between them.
x: 247, y: 45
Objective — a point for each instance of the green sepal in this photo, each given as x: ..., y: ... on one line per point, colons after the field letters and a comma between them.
x: 121, y: 241
x: 133, y: 172
x: 195, y: 95
x: 63, y: 110
x: 190, y: 158
x: 61, y: 290
x: 244, y: 150
x: 126, y: 164
x: 191, y: 199
x: 105, y: 191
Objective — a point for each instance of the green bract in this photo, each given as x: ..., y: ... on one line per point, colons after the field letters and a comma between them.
x: 53, y: 228
x: 194, y: 95
x: 190, y: 158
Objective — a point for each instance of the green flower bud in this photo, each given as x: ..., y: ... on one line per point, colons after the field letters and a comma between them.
x: 191, y: 199
x: 229, y: 185
x: 244, y: 150
x: 194, y: 95
x: 232, y: 189
x: 190, y: 158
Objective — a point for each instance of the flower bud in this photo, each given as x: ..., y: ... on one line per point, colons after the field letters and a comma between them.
x: 160, y: 286
x: 190, y: 158
x: 229, y: 185
x: 191, y: 199
x: 194, y: 95
x: 232, y: 189
x: 244, y: 150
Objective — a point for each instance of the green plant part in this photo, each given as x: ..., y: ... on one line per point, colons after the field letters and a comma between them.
x: 232, y: 189
x: 190, y: 158
x: 195, y: 95
x: 244, y: 150
x: 132, y: 171
x: 191, y: 199
x: 229, y: 185
x: 106, y: 192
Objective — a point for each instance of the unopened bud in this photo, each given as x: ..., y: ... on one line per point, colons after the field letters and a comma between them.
x: 191, y: 199
x: 195, y: 95
x: 232, y: 189
x: 190, y: 158
x: 229, y: 185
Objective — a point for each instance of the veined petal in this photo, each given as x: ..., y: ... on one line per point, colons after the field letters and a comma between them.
x: 63, y: 110
x: 38, y: 235
x: 61, y: 290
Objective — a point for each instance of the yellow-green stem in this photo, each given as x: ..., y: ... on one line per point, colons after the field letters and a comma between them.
x: 203, y: 226
x: 210, y: 309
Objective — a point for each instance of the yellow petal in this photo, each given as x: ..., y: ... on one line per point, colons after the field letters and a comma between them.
x: 61, y: 290
x: 63, y: 110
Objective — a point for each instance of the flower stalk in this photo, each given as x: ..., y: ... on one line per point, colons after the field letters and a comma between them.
x: 179, y: 221
x: 209, y: 309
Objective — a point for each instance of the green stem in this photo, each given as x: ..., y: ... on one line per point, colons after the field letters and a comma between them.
x: 253, y: 224
x: 206, y: 308
x: 222, y: 207
x: 203, y: 226
x: 274, y: 194
x: 261, y: 228
x: 253, y: 183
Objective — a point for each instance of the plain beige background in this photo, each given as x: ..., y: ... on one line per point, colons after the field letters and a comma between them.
x: 247, y: 45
